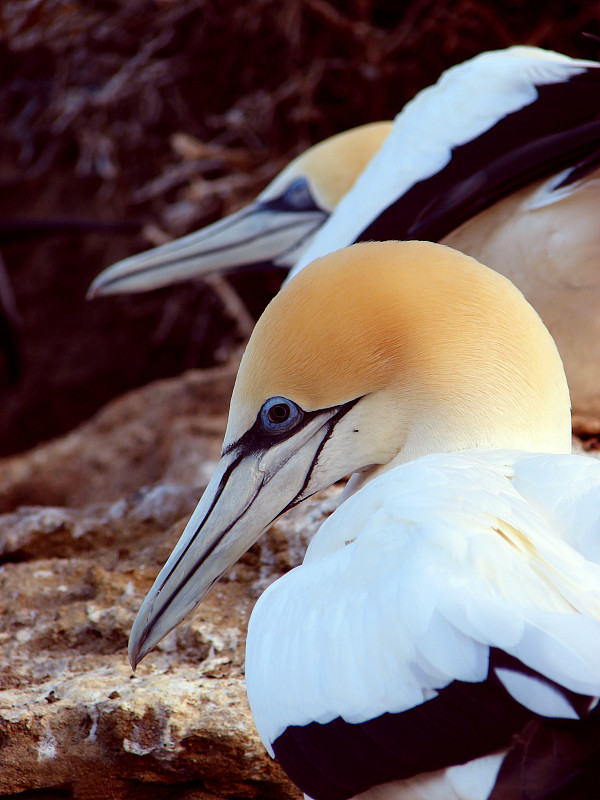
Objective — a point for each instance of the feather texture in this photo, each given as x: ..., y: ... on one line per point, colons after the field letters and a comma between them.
x: 454, y: 582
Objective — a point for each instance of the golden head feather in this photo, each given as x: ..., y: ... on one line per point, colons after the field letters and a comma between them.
x: 332, y: 166
x: 451, y: 336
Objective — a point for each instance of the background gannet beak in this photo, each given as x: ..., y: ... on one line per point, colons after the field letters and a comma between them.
x: 251, y: 487
x: 261, y: 232
x: 275, y: 229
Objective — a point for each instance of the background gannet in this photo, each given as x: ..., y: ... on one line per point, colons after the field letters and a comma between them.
x: 497, y: 159
x: 274, y: 229
x: 442, y: 637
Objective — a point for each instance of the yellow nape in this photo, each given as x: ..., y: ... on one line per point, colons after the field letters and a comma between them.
x: 332, y: 166
x: 456, y: 341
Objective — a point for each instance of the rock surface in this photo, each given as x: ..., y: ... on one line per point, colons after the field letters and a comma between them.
x: 87, y: 522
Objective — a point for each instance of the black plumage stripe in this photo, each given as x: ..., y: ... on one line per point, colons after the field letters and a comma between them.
x: 558, y: 129
x: 338, y: 760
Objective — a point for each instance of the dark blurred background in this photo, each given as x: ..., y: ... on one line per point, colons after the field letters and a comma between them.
x: 122, y: 121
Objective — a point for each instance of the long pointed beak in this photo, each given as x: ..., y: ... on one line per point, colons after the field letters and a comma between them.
x: 248, y: 491
x: 259, y: 233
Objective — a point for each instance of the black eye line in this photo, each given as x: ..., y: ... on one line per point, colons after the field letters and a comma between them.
x: 331, y: 423
x: 256, y: 438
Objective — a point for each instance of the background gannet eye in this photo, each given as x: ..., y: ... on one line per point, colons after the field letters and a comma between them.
x: 279, y: 415
x: 298, y: 197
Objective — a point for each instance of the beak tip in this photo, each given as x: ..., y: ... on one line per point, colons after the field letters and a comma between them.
x: 98, y: 287
x: 134, y: 655
x: 137, y: 650
x: 138, y: 646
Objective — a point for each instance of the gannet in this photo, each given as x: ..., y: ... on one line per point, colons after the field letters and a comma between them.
x: 441, y: 640
x: 274, y: 229
x: 498, y: 159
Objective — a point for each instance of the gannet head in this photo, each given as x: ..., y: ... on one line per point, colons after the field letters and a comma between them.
x: 276, y: 228
x: 329, y: 169
x: 431, y: 352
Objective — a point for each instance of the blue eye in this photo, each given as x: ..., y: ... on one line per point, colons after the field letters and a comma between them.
x: 279, y: 415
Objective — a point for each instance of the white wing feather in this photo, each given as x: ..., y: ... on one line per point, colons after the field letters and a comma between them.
x: 410, y: 582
